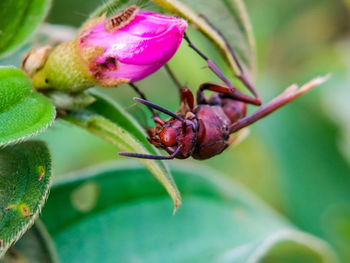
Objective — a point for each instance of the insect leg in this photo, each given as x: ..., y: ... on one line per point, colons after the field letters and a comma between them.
x: 186, y: 96
x: 212, y: 66
x: 285, y: 97
x: 229, y: 86
x: 139, y: 92
x: 221, y: 88
x: 242, y: 76
x: 173, y: 78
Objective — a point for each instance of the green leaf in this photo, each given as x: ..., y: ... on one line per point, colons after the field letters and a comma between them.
x: 232, y: 30
x: 18, y: 21
x: 109, y: 121
x: 314, y: 175
x: 23, y: 113
x: 223, y: 15
x: 25, y: 175
x: 35, y: 245
x: 124, y: 208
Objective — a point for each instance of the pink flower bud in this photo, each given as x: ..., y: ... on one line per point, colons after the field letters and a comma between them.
x: 108, y: 51
x: 130, y: 46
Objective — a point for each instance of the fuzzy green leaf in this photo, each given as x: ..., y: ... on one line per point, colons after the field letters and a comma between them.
x: 25, y: 175
x: 23, y: 113
x: 109, y: 121
x: 35, y: 245
x: 219, y: 221
x: 18, y: 21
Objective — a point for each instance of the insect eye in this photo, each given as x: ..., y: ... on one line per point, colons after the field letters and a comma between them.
x: 168, y: 136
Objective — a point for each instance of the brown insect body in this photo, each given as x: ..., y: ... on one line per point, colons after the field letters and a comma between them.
x: 173, y: 133
x: 205, y: 130
x: 213, y: 131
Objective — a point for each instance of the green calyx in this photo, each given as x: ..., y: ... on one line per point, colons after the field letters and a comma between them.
x: 68, y: 67
x: 62, y: 70
x: 64, y: 73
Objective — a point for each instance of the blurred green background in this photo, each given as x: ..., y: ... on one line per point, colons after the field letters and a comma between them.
x: 297, y: 160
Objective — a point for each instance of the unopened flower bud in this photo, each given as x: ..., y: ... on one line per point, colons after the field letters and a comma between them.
x: 110, y: 51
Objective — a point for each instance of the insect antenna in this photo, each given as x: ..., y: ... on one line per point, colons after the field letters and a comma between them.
x: 139, y: 114
x: 150, y: 156
x: 159, y: 108
x: 142, y: 95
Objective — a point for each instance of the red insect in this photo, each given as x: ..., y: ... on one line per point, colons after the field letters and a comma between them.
x: 204, y: 130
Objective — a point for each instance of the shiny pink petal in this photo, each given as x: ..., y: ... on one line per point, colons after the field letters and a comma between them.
x: 140, y: 48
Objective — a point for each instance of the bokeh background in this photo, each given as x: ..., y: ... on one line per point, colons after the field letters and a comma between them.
x: 297, y: 160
